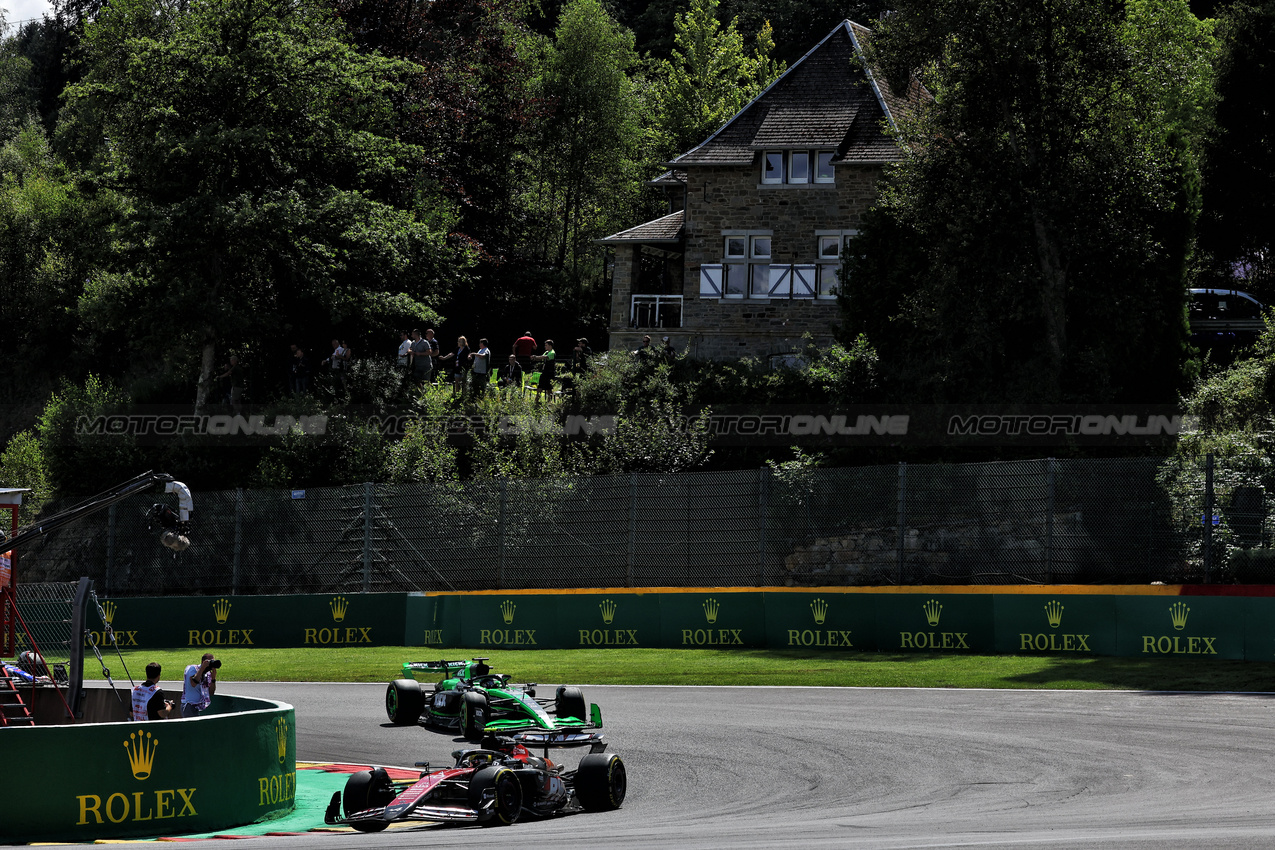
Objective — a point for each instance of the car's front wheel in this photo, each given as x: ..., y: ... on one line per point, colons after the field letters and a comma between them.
x: 601, y: 782
x: 367, y: 789
x: 404, y: 701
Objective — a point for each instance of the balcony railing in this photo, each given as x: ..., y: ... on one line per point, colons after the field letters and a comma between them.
x: 655, y: 311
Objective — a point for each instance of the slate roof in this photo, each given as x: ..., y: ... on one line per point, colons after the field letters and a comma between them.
x: 828, y: 99
x: 666, y: 229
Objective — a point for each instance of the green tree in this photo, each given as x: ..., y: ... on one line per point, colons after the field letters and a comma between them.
x: 709, y: 77
x: 260, y: 151
x: 1033, y: 245
x: 1238, y: 227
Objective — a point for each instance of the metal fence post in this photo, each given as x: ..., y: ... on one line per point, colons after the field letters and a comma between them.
x: 237, y: 561
x: 1049, y: 521
x: 1208, y: 518
x: 628, y: 578
x: 902, y: 516
x: 110, y: 546
x: 763, y: 481
x: 367, y: 536
x: 500, y: 534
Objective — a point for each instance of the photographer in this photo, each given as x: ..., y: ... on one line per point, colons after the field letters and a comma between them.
x: 199, y: 685
x: 148, y: 701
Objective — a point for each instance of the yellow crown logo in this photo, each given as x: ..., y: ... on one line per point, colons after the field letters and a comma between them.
x: 820, y: 609
x: 221, y: 610
x: 141, y: 753
x: 1178, y: 613
x: 932, y: 611
x: 507, y: 609
x: 1053, y: 612
x: 608, y: 611
x: 281, y: 738
x: 108, y: 612
x: 339, y: 606
x: 711, y: 607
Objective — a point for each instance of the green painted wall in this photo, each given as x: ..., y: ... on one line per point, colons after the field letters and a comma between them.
x: 87, y: 782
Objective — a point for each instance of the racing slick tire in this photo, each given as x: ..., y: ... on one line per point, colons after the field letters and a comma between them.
x: 504, y: 784
x: 367, y: 789
x: 473, y: 716
x: 601, y: 782
x: 404, y: 702
x: 569, y: 702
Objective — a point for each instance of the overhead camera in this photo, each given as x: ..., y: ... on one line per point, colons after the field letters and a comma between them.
x: 173, y: 540
x: 173, y: 535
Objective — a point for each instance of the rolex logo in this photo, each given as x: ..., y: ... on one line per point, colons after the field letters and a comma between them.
x: 108, y: 612
x: 141, y: 753
x: 1053, y: 612
x: 281, y: 736
x: 1178, y: 613
x: 339, y: 606
x: 819, y: 608
x: 932, y: 611
x: 507, y: 609
x: 608, y: 611
x: 221, y: 610
x: 711, y: 607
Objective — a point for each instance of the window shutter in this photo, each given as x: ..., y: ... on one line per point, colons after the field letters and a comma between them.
x: 780, y: 281
x: 710, y: 281
x: 805, y: 281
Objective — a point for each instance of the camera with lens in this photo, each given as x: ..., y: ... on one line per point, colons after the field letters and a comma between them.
x: 215, y: 664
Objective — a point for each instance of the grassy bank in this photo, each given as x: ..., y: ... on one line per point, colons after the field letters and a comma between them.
x: 711, y: 667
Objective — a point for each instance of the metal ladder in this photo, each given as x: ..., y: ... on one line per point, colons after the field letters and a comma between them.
x: 13, y: 710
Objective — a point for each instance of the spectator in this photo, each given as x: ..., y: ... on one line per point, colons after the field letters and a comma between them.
x: 510, y: 375
x: 669, y: 352
x: 421, y: 358
x: 433, y: 350
x: 299, y: 377
x: 644, y: 350
x: 547, y: 370
x: 199, y: 685
x: 233, y: 375
x: 482, y: 368
x: 460, y: 365
x: 405, y: 351
x: 524, y: 348
x: 347, y: 356
x: 336, y: 363
x: 148, y: 697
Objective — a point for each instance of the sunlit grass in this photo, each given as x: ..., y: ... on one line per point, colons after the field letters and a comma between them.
x: 715, y: 667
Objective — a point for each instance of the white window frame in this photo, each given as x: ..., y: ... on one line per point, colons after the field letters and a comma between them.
x: 765, y: 162
x: 792, y: 171
x: 832, y: 177
x: 842, y: 237
x: 661, y: 305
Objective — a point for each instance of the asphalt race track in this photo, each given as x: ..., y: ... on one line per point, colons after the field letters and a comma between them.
x: 859, y: 768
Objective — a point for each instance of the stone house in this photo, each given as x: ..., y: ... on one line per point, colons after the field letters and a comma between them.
x: 747, y: 262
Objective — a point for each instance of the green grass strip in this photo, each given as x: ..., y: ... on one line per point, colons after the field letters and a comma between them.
x: 718, y: 667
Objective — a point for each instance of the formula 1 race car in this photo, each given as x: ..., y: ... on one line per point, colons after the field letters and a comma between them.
x: 472, y: 700
x: 492, y: 786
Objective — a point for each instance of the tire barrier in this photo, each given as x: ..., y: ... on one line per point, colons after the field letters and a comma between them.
x: 232, y: 766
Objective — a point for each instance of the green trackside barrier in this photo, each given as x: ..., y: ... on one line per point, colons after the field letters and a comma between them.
x: 221, y: 622
x: 1036, y: 620
x: 89, y: 782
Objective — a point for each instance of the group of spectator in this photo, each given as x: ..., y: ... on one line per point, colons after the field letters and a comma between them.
x: 199, y: 684
x: 470, y: 370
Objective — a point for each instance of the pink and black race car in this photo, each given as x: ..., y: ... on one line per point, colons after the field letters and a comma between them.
x: 494, y: 785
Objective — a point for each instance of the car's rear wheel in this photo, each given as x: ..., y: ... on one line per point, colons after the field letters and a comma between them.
x: 367, y: 789
x: 473, y: 716
x: 569, y: 702
x: 404, y: 701
x: 500, y: 784
x: 601, y: 782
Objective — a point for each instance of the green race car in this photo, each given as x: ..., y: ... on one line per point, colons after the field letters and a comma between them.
x: 472, y: 700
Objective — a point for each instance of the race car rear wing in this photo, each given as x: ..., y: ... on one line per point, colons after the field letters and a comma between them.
x: 561, y: 739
